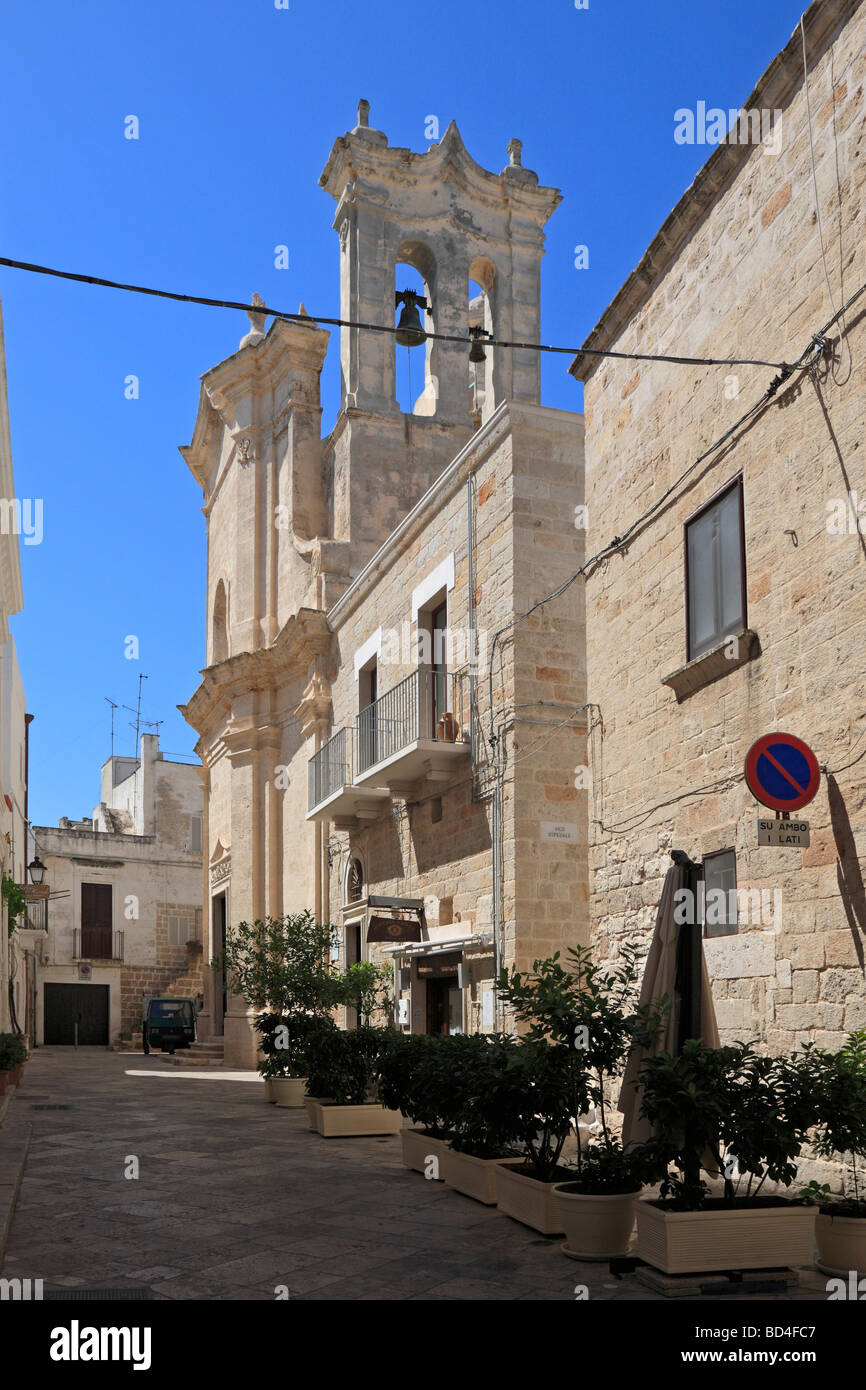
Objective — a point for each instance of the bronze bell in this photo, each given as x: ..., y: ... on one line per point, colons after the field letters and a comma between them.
x: 476, y: 352
x: 410, y: 330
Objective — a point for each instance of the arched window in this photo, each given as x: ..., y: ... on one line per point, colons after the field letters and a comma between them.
x: 415, y: 385
x: 355, y: 887
x: 219, y: 626
x: 482, y: 313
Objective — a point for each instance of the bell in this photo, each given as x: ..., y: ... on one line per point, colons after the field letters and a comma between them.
x: 476, y: 352
x: 410, y: 330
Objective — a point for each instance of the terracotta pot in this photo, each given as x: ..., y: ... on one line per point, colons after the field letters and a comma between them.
x: 841, y: 1244
x: 5, y: 1077
x: 288, y: 1091
x: 345, y: 1121
x: 418, y: 1148
x: 529, y: 1201
x: 596, y: 1227
x: 17, y: 1074
x: 476, y: 1177
x: 691, y: 1242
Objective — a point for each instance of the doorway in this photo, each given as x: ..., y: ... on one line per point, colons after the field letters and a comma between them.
x: 76, y: 1013
x: 220, y: 1001
x: 444, y: 1006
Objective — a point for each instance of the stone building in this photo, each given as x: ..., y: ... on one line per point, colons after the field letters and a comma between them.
x: 16, y: 951
x: 738, y: 607
x: 373, y: 725
x: 125, y: 900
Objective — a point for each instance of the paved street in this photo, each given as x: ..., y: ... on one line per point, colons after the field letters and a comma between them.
x: 235, y: 1197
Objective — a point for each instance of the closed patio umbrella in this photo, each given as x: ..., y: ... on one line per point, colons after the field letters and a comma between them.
x: 670, y: 970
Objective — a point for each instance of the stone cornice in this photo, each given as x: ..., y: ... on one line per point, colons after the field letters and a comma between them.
x: 774, y: 89
x: 355, y: 155
x: 304, y: 636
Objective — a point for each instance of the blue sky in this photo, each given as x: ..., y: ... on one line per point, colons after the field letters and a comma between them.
x: 239, y: 103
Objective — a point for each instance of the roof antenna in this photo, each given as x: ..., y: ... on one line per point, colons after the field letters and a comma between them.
x: 113, y: 708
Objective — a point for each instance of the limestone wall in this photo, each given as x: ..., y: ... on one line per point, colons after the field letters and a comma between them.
x: 747, y: 282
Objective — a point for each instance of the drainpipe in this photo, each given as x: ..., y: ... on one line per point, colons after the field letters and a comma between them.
x: 470, y: 554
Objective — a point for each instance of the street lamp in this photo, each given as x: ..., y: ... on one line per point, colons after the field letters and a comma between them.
x: 36, y: 870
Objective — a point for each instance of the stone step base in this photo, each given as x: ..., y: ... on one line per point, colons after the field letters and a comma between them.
x: 716, y: 1285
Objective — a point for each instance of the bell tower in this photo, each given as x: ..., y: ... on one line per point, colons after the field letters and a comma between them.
x: 453, y: 222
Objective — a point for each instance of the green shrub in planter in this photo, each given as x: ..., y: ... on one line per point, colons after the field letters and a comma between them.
x: 343, y: 1065
x: 482, y: 1120
x: 12, y: 1051
x: 287, y: 1040
x: 731, y: 1111
x: 841, y: 1122
x: 415, y: 1077
x: 582, y: 1025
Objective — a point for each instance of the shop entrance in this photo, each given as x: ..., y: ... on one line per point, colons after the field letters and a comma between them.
x: 444, y: 1006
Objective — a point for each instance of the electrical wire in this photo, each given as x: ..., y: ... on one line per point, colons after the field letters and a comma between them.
x: 381, y: 327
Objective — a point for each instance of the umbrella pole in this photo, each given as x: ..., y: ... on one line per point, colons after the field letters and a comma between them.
x: 689, y: 960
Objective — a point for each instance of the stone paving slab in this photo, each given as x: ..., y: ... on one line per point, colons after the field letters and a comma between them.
x: 236, y: 1197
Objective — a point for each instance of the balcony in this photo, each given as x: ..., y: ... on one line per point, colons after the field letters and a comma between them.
x: 332, y: 794
x: 97, y: 943
x: 415, y: 732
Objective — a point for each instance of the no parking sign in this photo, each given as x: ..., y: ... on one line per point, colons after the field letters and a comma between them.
x: 782, y: 772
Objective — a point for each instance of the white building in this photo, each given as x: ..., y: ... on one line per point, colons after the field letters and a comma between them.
x: 13, y: 733
x: 124, y: 913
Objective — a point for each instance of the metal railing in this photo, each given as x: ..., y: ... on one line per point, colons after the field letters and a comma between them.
x: 330, y: 768
x: 426, y: 704
x: 97, y: 943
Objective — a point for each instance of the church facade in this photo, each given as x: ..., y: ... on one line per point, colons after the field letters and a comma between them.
x: 385, y: 738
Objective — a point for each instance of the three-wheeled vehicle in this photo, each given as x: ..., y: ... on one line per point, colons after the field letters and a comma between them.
x: 168, y: 1024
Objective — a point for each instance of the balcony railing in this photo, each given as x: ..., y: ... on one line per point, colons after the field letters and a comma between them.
x: 97, y: 943
x: 427, y: 705
x: 330, y: 768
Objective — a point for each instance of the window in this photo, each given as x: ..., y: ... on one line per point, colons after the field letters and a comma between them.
x: 354, y: 881
x: 716, y: 571
x: 178, y: 931
x: 96, y: 921
x: 720, y: 894
x: 195, y: 826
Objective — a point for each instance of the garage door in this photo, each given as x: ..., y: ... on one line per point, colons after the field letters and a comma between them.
x: 86, y: 1005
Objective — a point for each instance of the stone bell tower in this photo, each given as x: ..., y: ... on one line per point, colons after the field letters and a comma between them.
x: 454, y: 222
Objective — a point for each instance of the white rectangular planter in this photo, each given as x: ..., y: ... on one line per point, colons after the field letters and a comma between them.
x: 476, y: 1177
x: 418, y: 1148
x: 529, y: 1201
x: 344, y: 1121
x: 692, y: 1242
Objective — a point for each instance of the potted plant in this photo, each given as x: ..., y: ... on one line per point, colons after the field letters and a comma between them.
x: 366, y: 988
x: 481, y: 1118
x: 13, y: 1055
x: 342, y: 1082
x: 742, y: 1118
x: 840, y: 1226
x: 581, y: 1027
x: 286, y: 1043
x: 415, y: 1078
x: 281, y: 966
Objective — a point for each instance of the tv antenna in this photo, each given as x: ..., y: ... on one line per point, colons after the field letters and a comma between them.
x: 137, y: 712
x: 113, y: 708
